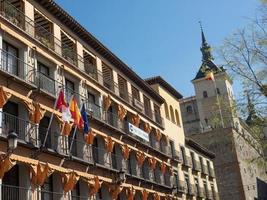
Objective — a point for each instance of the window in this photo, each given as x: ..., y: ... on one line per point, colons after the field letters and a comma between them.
x: 123, y: 91
x: 218, y: 91
x: 206, y: 121
x: 147, y: 106
x: 172, y: 114
x: 135, y: 93
x: 69, y: 89
x: 9, y: 58
x: 90, y: 64
x: 177, y: 117
x: 189, y: 109
x: 166, y: 110
x: 205, y: 94
x: 42, y: 68
x: 157, y: 113
x: 107, y: 77
x: 187, y: 182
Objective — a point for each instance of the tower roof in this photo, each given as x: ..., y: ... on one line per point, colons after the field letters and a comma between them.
x: 207, y: 64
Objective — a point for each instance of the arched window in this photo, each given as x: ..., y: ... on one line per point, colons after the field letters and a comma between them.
x: 177, y: 117
x: 189, y: 109
x: 166, y: 110
x: 205, y: 94
x: 172, y: 114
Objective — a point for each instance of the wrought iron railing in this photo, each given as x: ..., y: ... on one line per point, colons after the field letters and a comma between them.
x: 25, y: 130
x: 17, y: 67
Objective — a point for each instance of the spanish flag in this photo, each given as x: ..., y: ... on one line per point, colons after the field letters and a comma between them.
x: 75, y: 113
x: 209, y: 76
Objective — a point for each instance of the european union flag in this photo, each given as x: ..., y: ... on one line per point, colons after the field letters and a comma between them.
x: 85, y: 120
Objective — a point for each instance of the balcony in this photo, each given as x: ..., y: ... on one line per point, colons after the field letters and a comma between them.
x: 27, y: 132
x: 211, y: 172
x: 17, y: 68
x: 187, y: 161
x: 11, y: 192
x: 205, y: 169
x: 196, y: 165
x: 46, y: 84
x: 191, y: 190
x: 200, y: 192
x: 181, y: 186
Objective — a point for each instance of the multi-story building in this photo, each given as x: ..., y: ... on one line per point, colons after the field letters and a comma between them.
x: 210, y: 118
x: 128, y: 153
x: 196, y: 176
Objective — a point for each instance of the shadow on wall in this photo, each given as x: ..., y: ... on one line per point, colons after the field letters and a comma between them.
x: 262, y: 189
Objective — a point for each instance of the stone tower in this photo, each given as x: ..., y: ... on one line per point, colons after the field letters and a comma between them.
x: 214, y: 96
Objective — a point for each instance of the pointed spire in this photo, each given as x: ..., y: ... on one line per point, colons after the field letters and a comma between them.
x: 205, y: 48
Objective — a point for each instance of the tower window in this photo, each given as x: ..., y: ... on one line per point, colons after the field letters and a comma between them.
x: 177, y: 117
x: 189, y: 109
x: 218, y: 91
x: 205, y: 94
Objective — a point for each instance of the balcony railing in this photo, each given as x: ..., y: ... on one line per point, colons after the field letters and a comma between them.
x: 211, y: 172
x: 200, y: 192
x: 14, y: 66
x: 204, y: 169
x: 26, y: 131
x: 187, y: 161
x: 46, y: 83
x: 196, y: 165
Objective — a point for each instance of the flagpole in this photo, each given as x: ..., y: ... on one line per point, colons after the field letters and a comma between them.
x: 218, y: 101
x: 73, y: 137
x: 74, y: 133
x: 50, y: 121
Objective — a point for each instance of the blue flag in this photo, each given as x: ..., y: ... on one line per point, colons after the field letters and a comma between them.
x: 86, y: 127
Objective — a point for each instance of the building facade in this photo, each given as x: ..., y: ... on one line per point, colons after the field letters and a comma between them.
x: 195, y: 169
x: 128, y: 154
x: 210, y: 118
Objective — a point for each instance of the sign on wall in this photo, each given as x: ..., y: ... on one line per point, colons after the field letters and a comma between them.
x: 137, y: 131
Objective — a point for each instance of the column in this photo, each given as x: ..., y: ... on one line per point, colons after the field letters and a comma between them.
x: 99, y: 70
x: 80, y: 56
x: 115, y: 83
x: 57, y: 39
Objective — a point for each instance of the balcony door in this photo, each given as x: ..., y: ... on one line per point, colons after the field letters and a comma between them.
x: 10, y: 59
x: 69, y: 89
x: 10, y: 118
x: 10, y: 184
x: 47, y: 188
x: 42, y: 131
x: 45, y: 82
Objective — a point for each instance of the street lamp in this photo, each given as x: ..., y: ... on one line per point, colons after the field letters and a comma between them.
x: 12, y: 139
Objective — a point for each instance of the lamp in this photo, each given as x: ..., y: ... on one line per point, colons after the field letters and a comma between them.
x: 12, y: 139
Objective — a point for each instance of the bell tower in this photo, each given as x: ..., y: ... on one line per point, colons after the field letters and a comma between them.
x: 214, y: 95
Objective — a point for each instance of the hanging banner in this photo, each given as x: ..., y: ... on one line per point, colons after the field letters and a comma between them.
x: 139, y: 132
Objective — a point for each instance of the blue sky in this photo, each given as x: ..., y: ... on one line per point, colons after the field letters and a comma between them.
x: 161, y: 37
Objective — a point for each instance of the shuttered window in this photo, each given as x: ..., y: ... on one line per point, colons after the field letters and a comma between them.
x: 135, y: 93
x: 122, y: 87
x: 147, y: 106
x: 107, y: 77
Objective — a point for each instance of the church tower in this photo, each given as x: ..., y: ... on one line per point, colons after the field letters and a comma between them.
x: 214, y: 95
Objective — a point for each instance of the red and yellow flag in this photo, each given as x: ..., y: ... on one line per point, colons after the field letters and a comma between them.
x: 209, y: 76
x: 75, y: 113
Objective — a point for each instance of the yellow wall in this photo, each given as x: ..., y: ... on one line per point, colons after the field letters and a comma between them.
x: 173, y: 130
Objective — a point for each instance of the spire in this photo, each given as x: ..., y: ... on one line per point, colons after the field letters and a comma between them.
x: 205, y: 48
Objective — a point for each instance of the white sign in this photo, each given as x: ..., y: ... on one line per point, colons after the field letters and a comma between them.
x: 137, y: 131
